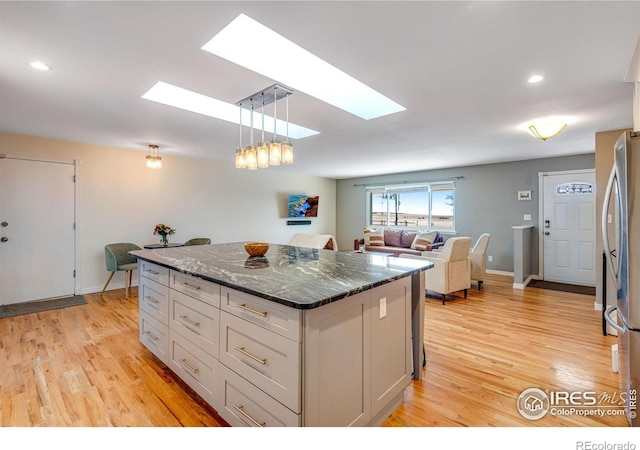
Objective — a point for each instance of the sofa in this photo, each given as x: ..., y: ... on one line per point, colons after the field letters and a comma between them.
x: 396, y: 242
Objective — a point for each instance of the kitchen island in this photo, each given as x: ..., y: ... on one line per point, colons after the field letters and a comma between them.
x: 299, y: 337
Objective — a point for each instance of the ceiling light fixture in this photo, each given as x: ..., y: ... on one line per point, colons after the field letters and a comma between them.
x: 535, y: 78
x: 263, y: 156
x: 40, y: 65
x: 249, y: 44
x: 546, y: 127
x: 154, y: 161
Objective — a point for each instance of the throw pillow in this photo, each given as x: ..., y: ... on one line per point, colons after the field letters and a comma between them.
x: 407, y: 238
x: 374, y: 236
x: 423, y: 240
x: 393, y: 238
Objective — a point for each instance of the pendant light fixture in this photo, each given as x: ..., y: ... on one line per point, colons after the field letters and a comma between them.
x: 251, y: 152
x: 241, y: 160
x: 263, y: 151
x: 275, y: 150
x: 154, y: 161
x: 265, y: 154
x: 287, y: 147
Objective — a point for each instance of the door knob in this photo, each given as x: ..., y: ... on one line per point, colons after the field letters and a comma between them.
x: 546, y: 233
x: 4, y: 224
x: 4, y: 239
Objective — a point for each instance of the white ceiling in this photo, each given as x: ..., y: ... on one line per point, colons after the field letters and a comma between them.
x: 460, y: 69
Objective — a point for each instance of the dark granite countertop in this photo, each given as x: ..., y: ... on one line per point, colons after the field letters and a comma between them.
x: 298, y: 277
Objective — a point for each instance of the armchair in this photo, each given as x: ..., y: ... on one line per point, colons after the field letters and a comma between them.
x: 452, y: 269
x: 477, y: 257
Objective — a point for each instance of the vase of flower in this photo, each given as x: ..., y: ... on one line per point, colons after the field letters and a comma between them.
x: 163, y: 231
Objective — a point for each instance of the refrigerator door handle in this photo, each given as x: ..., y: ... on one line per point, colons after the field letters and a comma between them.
x: 610, y: 321
x: 605, y: 227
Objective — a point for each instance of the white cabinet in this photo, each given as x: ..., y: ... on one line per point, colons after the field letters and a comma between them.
x: 266, y: 359
x: 261, y: 363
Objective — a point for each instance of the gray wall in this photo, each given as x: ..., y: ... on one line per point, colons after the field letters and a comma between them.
x: 486, y: 202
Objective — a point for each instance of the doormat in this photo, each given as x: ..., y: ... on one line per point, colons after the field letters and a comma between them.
x: 576, y: 289
x: 18, y: 309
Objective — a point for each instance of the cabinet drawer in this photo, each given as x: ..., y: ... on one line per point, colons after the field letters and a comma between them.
x: 203, y: 290
x: 154, y: 335
x: 267, y: 314
x: 194, y: 366
x: 243, y: 404
x: 197, y: 321
x: 153, y: 298
x: 266, y: 359
x: 153, y: 272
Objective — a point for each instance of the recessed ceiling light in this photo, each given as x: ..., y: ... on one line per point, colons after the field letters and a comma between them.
x: 252, y: 45
x: 40, y: 65
x: 168, y: 94
x: 536, y: 78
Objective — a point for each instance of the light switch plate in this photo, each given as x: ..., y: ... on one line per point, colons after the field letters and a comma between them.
x: 383, y: 307
x: 527, y: 217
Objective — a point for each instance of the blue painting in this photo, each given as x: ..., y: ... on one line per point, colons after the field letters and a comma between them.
x: 302, y: 206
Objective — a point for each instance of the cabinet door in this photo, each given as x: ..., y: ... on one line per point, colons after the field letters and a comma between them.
x: 242, y: 404
x: 391, y: 357
x: 153, y: 298
x: 337, y: 363
x: 154, y: 335
x: 266, y: 359
x: 153, y: 272
x: 195, y: 320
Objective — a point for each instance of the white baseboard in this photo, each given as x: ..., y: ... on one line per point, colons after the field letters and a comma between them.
x: 527, y: 281
x: 112, y: 286
x: 597, y: 306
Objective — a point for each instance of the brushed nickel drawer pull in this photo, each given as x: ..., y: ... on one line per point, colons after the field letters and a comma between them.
x: 197, y: 288
x: 240, y: 409
x: 151, y: 299
x: 246, y: 308
x: 152, y: 272
x: 152, y: 336
x: 189, y: 366
x: 192, y: 322
x: 255, y: 358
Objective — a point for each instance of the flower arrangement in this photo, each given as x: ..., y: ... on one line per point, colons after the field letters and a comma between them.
x: 164, y: 231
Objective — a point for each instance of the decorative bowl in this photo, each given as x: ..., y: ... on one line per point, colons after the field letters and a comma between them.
x: 256, y: 248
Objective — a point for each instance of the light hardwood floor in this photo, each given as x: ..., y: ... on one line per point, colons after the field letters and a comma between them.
x: 84, y: 366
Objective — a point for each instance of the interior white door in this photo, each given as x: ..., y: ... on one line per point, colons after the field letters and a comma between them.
x: 37, y: 236
x: 569, y: 228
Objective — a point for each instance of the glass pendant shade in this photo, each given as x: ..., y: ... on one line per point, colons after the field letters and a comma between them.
x: 241, y: 162
x: 154, y: 161
x: 263, y: 155
x: 251, y: 157
x: 287, y: 153
x: 274, y: 153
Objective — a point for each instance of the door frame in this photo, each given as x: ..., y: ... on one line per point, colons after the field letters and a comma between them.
x: 541, y: 176
x: 76, y: 166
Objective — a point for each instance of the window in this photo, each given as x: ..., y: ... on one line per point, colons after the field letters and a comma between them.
x: 419, y: 205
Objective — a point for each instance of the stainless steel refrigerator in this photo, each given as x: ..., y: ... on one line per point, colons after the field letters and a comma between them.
x: 623, y: 261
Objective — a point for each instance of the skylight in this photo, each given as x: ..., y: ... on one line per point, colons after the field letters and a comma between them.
x: 168, y: 94
x: 252, y: 45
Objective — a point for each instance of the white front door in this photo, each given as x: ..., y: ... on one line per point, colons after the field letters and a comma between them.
x: 37, y: 236
x: 569, y: 227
